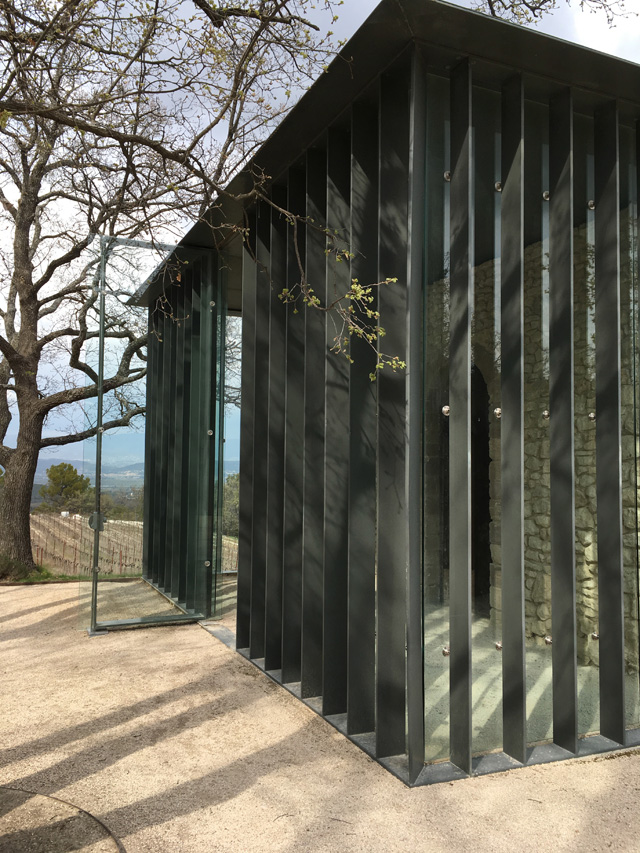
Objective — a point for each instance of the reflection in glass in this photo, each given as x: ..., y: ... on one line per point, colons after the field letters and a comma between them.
x: 436, y: 427
x: 629, y: 419
x: 585, y: 429
x: 486, y: 566
x: 537, y: 544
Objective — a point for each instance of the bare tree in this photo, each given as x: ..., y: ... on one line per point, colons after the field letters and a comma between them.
x: 123, y: 120
x: 127, y: 120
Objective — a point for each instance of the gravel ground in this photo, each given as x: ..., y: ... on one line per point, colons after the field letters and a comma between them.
x: 178, y: 744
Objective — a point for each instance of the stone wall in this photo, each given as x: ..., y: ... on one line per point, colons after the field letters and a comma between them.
x: 486, y: 359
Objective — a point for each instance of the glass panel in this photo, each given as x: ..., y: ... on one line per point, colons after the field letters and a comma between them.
x: 629, y: 316
x: 585, y: 428
x: 537, y: 546
x: 436, y: 427
x: 123, y: 593
x: 156, y: 555
x: 485, y: 432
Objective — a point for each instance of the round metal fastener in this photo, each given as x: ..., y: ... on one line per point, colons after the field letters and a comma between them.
x: 548, y: 640
x: 498, y: 186
x: 591, y: 204
x: 546, y: 195
x: 447, y: 176
x: 498, y: 646
x: 207, y: 563
x: 595, y: 635
x: 546, y: 414
x: 592, y: 416
x: 446, y: 651
x: 497, y: 413
x: 446, y: 411
x: 209, y: 432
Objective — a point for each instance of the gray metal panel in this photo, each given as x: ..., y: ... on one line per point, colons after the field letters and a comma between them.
x: 183, y: 456
x: 171, y: 556
x: 192, y: 274
x: 149, y: 449
x: 363, y: 430
x: 608, y: 424
x: 415, y: 417
x: 294, y: 443
x: 243, y: 611
x: 314, y: 415
x: 206, y: 434
x: 177, y: 553
x: 276, y: 368
x: 159, y: 497
x: 164, y: 573
x: 561, y: 424
x: 460, y: 419
x: 260, y: 425
x: 393, y: 528
x: 336, y: 448
x: 514, y: 710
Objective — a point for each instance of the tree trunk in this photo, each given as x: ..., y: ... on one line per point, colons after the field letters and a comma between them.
x: 15, y: 497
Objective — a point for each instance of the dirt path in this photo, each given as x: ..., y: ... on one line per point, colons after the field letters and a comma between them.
x: 178, y: 744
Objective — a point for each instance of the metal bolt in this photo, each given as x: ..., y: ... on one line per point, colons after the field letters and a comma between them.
x: 595, y: 636
x: 548, y: 640
x: 497, y: 413
x: 209, y: 432
x: 545, y: 195
x: 498, y: 186
x: 446, y: 411
x: 212, y: 304
x: 592, y: 416
x: 499, y: 646
x: 207, y: 563
x: 447, y: 176
x: 591, y: 204
x: 446, y: 651
x: 546, y: 414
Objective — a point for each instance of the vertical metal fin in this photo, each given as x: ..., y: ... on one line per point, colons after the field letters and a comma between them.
x: 260, y: 426
x: 393, y: 528
x: 294, y: 441
x: 195, y: 437
x: 514, y: 709
x: 363, y: 429
x: 336, y: 461
x: 243, y: 612
x: 608, y: 424
x: 186, y: 445
x: 561, y: 438
x: 314, y: 401
x: 149, y: 447
x: 415, y: 417
x: 462, y: 230
x: 275, y: 465
x: 177, y: 568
